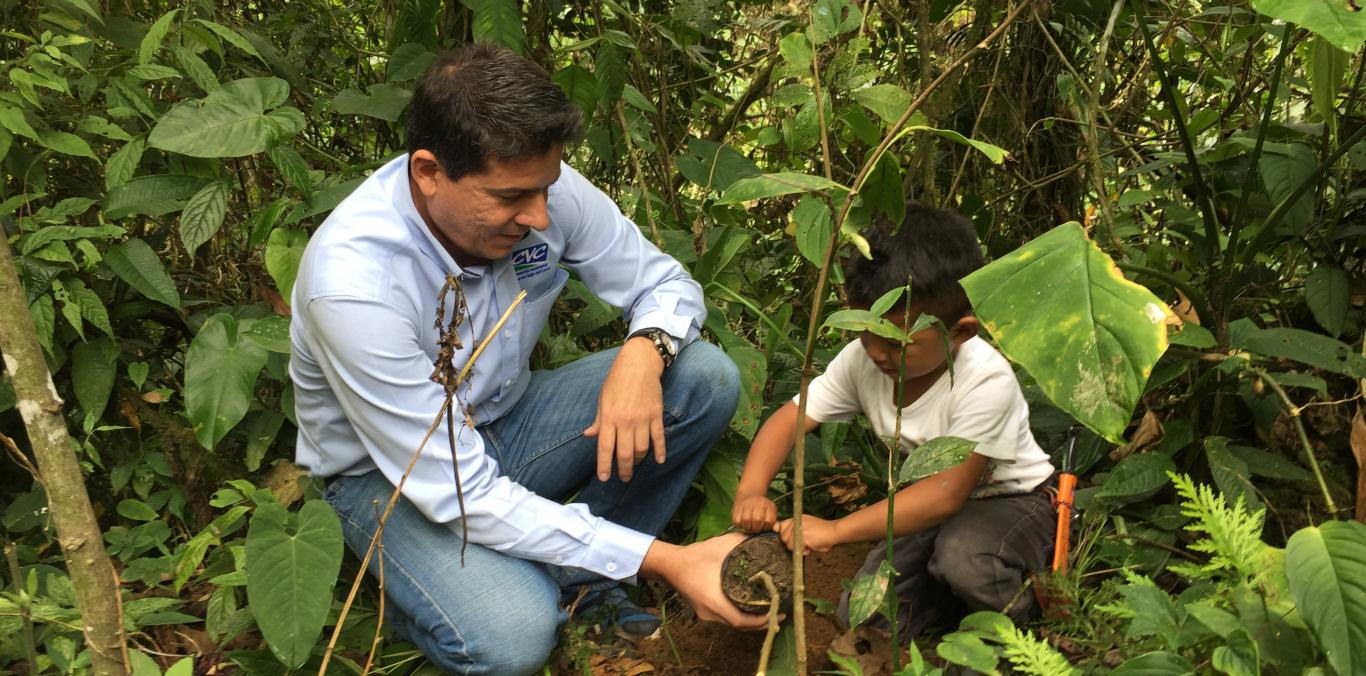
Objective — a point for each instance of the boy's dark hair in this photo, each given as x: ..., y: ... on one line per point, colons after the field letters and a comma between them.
x: 484, y: 100
x: 934, y: 248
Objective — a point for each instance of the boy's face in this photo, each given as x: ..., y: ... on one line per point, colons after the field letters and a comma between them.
x: 928, y: 352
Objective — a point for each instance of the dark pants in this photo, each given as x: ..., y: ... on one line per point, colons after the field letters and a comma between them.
x: 976, y: 560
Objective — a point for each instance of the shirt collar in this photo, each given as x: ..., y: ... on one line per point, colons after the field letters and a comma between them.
x: 430, y: 246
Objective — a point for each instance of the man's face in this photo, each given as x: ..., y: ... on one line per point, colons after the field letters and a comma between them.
x: 482, y: 216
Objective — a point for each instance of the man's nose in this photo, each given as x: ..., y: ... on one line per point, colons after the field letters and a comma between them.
x: 535, y: 215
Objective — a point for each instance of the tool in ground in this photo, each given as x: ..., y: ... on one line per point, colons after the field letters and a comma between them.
x: 1067, y: 483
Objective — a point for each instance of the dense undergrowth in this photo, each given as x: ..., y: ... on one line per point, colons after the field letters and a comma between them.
x: 165, y: 163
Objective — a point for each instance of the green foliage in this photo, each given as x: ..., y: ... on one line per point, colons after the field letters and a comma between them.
x: 868, y: 593
x: 221, y: 367
x: 1090, y: 342
x: 292, y: 565
x: 1326, y: 566
x: 935, y: 456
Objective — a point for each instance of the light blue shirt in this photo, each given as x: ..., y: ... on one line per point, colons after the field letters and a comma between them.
x: 363, y: 343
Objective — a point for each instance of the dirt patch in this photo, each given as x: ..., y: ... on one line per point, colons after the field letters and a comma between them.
x: 718, y: 650
x: 760, y: 553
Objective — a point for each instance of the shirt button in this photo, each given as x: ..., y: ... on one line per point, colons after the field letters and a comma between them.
x: 559, y: 559
x: 507, y: 384
x: 611, y: 567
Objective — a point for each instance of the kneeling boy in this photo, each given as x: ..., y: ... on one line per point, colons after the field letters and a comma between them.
x: 967, y: 536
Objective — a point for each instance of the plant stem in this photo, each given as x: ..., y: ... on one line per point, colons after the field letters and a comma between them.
x: 1294, y: 412
x: 1202, y: 196
x: 78, y: 532
x: 25, y: 615
x: 813, y: 326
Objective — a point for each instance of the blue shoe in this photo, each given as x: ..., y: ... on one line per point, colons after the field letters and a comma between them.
x: 613, y: 607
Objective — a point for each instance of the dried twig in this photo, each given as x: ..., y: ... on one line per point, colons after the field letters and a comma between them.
x: 774, y: 598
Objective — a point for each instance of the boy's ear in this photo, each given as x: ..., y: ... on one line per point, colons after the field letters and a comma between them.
x: 964, y: 329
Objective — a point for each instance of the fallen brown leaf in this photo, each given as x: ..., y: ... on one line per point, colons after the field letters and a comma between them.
x: 283, y: 481
x: 1148, y: 434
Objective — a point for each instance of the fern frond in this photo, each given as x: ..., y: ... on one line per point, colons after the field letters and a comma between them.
x: 1232, y: 535
x: 1030, y: 655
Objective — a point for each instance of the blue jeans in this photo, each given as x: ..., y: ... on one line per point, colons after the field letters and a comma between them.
x: 499, y: 614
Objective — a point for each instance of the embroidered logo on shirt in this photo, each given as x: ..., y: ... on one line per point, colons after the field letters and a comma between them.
x: 532, y: 260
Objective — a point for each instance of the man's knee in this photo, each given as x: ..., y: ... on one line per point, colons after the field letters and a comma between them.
x: 505, y: 643
x: 708, y: 378
x: 968, y: 565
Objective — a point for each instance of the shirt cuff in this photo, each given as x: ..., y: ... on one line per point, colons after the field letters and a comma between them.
x: 678, y: 327
x: 617, y: 551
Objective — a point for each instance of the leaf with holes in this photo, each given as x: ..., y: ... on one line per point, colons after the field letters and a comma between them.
x: 1326, y: 566
x: 221, y: 367
x: 869, y: 593
x: 935, y: 456
x: 1090, y: 338
x: 292, y: 565
x: 753, y: 367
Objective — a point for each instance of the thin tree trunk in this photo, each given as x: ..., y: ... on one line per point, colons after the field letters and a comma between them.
x: 92, y: 573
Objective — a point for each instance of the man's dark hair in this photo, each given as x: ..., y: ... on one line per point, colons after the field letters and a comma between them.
x: 484, y: 100
x: 933, y: 248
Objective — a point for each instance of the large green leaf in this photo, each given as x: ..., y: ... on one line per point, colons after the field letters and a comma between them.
x: 203, y: 215
x: 284, y: 250
x: 1333, y: 19
x: 221, y: 366
x: 1326, y: 566
x: 151, y: 42
x: 384, y: 101
x: 230, y: 122
x: 773, y: 185
x: 1058, y: 307
x: 1283, y: 167
x: 93, y: 366
x: 292, y: 565
x: 753, y: 367
x: 813, y: 224
x: 580, y: 85
x: 123, y: 163
x: 408, y: 62
x: 1136, y: 478
x: 498, y: 21
x: 994, y: 153
x: 1155, y: 664
x: 138, y: 266
x: 1306, y: 347
x: 1231, y: 474
x: 935, y: 456
x: 720, y: 476
x: 714, y: 165
x: 887, y: 101
x: 151, y: 195
x: 1328, y: 293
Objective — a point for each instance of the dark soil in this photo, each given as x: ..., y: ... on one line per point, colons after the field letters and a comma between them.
x: 760, y: 553
x: 717, y: 650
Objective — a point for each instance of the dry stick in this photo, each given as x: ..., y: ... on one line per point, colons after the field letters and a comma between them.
x: 379, y: 623
x: 813, y: 326
x: 393, y: 497
x: 1294, y: 412
x: 774, y: 598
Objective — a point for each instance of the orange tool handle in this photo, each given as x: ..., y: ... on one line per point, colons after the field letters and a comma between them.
x: 1062, y: 541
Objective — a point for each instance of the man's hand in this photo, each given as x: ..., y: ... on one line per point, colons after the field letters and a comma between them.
x: 630, y: 410
x: 695, y: 571
x: 754, y: 514
x: 818, y: 535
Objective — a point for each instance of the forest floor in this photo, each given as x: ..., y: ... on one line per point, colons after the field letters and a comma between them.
x: 688, y: 646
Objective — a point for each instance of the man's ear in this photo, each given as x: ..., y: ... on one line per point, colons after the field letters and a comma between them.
x: 425, y: 171
x: 964, y: 329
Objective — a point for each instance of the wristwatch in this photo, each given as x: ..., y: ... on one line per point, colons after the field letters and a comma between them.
x: 664, y: 343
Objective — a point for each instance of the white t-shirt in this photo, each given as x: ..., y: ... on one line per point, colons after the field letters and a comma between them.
x: 982, y: 402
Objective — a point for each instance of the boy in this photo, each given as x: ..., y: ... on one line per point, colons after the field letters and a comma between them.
x: 967, y: 536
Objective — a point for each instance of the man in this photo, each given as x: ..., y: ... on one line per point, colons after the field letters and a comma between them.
x: 482, y: 195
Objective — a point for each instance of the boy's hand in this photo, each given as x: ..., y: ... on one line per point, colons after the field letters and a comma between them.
x: 754, y: 514
x: 818, y: 535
